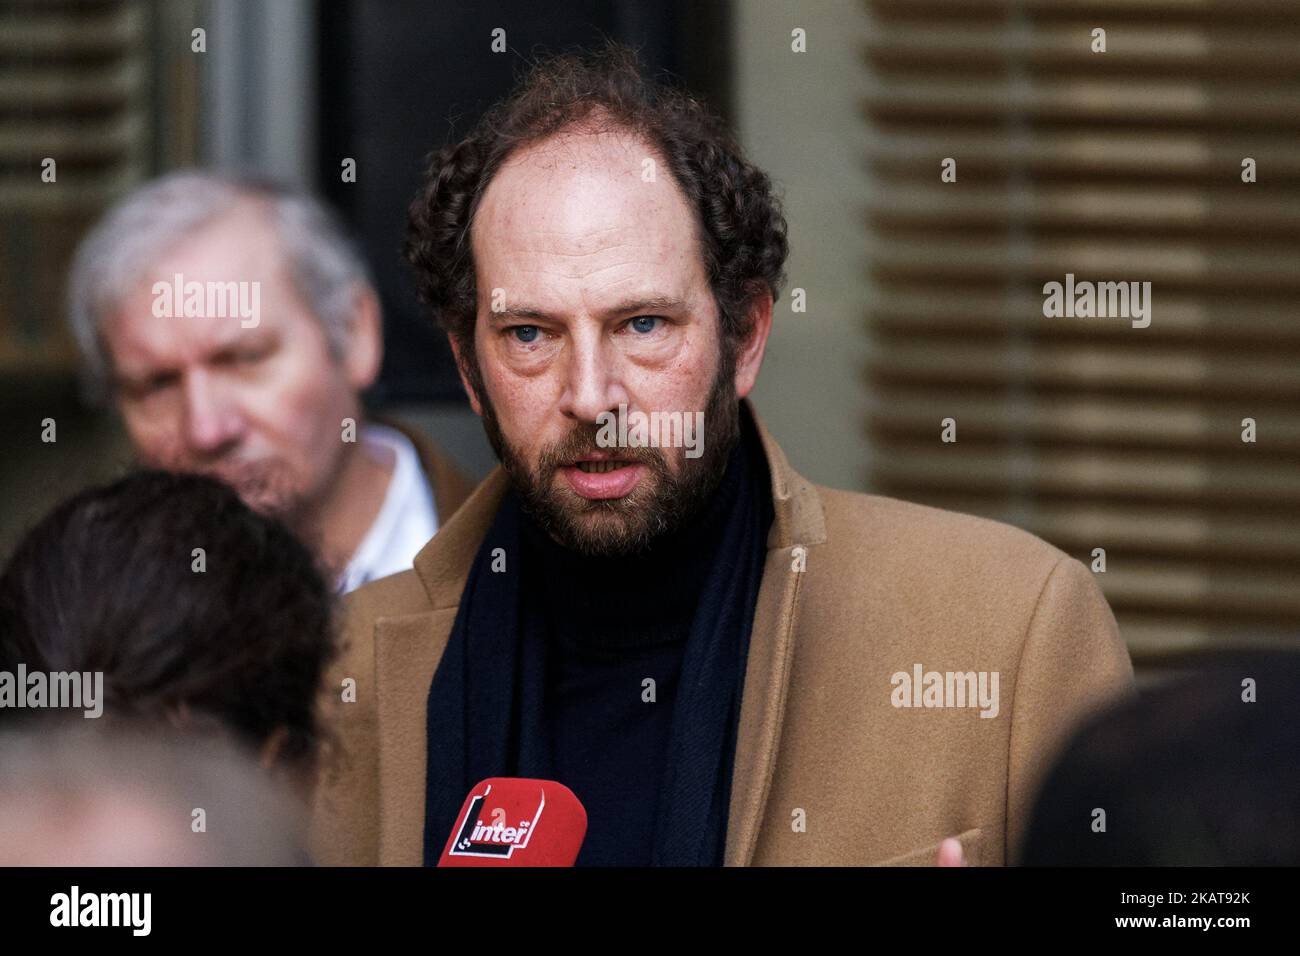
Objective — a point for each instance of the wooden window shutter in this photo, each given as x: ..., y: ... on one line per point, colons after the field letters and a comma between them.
x: 1125, y: 165
x: 109, y: 90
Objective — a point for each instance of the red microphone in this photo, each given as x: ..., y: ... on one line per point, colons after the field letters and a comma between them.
x: 508, y: 821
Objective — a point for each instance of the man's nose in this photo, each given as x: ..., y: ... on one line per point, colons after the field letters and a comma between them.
x: 595, y: 380
x: 212, y: 419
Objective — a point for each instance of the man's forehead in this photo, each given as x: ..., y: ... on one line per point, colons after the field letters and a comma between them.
x: 238, y: 245
x: 584, y: 217
x: 579, y: 193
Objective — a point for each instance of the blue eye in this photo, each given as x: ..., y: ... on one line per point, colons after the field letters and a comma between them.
x: 644, y: 323
x: 525, y: 333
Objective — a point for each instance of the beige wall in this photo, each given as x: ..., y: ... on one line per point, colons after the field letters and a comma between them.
x: 798, y: 117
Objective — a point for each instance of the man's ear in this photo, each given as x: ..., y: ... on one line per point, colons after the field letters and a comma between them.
x: 461, y: 359
x: 365, y: 349
x: 749, y: 354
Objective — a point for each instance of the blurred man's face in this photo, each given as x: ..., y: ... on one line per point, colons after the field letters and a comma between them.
x: 592, y: 295
x: 260, y: 406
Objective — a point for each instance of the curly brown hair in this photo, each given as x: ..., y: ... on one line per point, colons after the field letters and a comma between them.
x: 739, y: 218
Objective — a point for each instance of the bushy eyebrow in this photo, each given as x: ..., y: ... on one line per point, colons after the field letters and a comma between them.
x: 638, y: 306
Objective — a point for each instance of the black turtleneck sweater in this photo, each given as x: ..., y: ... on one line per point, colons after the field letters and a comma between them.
x: 611, y: 625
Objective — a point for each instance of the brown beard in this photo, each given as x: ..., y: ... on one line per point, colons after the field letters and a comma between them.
x: 661, y: 503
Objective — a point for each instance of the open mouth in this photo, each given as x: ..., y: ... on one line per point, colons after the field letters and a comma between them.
x: 600, y: 467
x: 597, y: 477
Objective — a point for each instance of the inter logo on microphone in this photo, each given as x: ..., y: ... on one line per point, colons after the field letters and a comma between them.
x: 500, y: 838
x: 509, y: 821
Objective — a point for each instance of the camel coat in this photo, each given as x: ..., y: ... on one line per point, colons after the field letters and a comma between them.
x: 831, y: 767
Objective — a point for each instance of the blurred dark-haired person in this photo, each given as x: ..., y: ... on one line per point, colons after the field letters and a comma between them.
x: 117, y: 793
x: 198, y: 611
x: 726, y: 663
x: 1204, y: 771
x: 235, y: 327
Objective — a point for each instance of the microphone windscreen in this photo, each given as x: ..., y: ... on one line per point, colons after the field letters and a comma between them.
x: 511, y: 821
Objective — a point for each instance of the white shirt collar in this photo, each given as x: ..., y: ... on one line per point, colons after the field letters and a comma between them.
x: 407, y: 519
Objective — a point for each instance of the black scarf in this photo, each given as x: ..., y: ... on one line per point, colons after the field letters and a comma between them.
x: 485, y: 704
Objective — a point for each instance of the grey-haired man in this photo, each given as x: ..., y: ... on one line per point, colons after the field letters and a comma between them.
x: 235, y: 328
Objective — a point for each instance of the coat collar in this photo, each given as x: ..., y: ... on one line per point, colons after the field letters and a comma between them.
x: 405, y: 662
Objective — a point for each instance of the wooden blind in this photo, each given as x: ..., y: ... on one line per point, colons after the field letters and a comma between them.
x: 107, y: 89
x: 1123, y: 165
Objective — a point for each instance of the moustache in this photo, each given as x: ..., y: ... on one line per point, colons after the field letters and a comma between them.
x: 581, y: 443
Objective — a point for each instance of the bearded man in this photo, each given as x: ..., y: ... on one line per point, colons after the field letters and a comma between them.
x: 706, y: 649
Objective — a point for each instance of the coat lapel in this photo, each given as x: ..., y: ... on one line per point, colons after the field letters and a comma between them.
x: 798, y: 523
x: 407, y: 651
